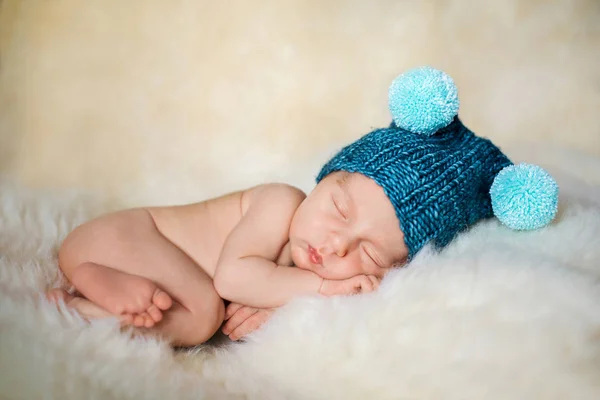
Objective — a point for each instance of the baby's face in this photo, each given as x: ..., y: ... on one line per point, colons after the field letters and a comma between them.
x: 345, y: 227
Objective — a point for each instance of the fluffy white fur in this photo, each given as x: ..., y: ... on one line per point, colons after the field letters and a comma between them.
x: 498, y: 315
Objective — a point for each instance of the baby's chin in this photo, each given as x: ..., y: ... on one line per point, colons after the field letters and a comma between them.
x: 299, y: 263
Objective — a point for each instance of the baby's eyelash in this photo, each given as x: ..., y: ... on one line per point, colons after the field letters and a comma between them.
x: 338, y: 208
x: 371, y: 257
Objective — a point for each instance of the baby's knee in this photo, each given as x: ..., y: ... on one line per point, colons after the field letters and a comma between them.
x: 74, y: 248
x: 67, y: 255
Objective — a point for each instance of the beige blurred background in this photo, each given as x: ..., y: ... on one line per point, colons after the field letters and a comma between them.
x: 167, y: 101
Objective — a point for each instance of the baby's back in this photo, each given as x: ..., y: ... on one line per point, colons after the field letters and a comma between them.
x: 200, y: 229
x: 127, y: 238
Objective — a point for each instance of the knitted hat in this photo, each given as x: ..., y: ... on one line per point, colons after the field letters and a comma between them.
x: 440, y: 177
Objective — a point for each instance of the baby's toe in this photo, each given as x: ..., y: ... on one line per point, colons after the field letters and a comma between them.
x: 148, y: 321
x: 154, y: 313
x: 162, y: 300
x: 138, y: 321
x: 126, y: 319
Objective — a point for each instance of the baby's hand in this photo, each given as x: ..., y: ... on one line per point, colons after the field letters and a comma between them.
x: 356, y: 284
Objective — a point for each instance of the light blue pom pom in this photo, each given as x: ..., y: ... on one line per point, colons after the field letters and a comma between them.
x: 524, y: 197
x: 423, y: 100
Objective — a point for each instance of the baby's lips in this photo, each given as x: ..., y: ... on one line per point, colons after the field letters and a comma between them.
x: 314, y: 255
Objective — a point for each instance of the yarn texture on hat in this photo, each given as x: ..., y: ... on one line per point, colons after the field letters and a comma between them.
x: 440, y: 177
x: 439, y: 185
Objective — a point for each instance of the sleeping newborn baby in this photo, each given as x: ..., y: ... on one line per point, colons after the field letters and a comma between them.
x: 424, y: 179
x: 170, y: 267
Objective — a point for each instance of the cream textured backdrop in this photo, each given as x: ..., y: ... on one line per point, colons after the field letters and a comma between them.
x: 167, y: 101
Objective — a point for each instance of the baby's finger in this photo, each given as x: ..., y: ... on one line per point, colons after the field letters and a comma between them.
x: 250, y: 325
x: 125, y: 319
x: 238, y: 318
x: 359, y: 286
x: 375, y: 280
x: 232, y: 308
x: 366, y: 284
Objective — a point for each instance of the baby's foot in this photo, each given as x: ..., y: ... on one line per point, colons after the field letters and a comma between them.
x: 122, y: 294
x: 158, y: 302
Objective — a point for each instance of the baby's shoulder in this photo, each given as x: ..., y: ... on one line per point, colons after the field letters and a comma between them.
x: 277, y: 195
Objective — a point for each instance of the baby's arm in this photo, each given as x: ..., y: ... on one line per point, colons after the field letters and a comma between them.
x: 245, y: 273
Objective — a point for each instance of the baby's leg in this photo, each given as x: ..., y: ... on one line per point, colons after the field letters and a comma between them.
x: 129, y: 266
x: 122, y: 293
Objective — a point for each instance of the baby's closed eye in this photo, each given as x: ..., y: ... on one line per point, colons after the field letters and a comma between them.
x: 339, y: 207
x: 371, y: 256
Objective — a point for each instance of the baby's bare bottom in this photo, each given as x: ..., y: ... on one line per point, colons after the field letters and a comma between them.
x: 123, y: 264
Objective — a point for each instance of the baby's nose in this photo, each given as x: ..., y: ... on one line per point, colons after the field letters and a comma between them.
x: 337, y: 244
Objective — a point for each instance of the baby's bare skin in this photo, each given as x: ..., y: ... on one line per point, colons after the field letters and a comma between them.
x: 139, y: 263
x: 169, y: 268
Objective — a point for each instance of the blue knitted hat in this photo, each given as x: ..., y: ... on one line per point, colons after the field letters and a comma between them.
x: 440, y: 177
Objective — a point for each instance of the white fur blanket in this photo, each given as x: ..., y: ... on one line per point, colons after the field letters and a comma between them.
x: 498, y: 315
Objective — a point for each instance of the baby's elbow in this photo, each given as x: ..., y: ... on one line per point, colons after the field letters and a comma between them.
x: 220, y: 284
x: 225, y: 282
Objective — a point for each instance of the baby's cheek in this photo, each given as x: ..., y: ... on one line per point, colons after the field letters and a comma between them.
x: 359, y: 267
x: 313, y: 225
x: 348, y: 268
x: 298, y: 258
